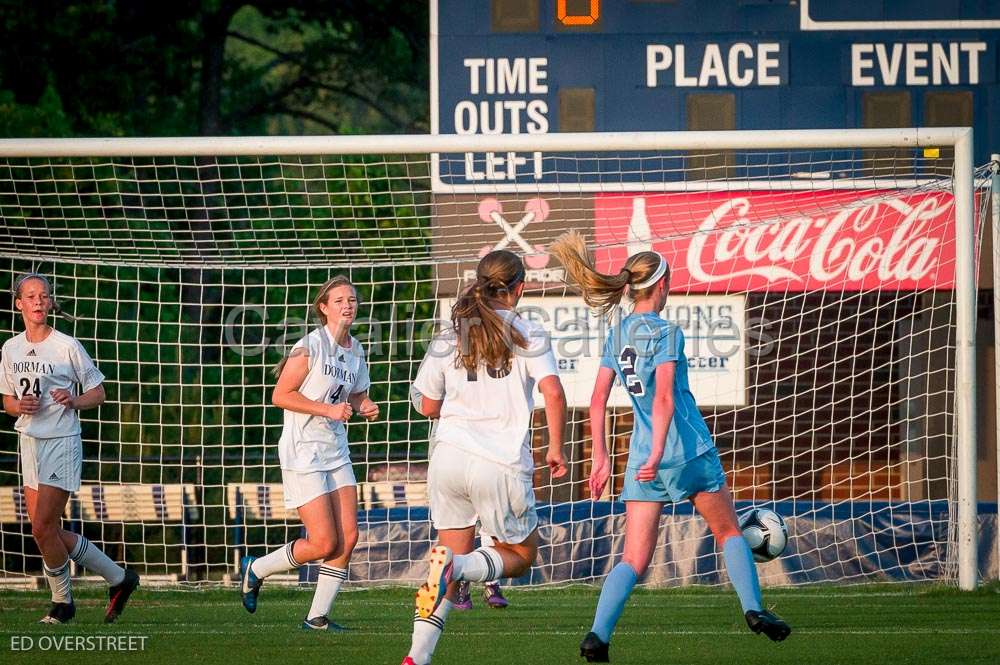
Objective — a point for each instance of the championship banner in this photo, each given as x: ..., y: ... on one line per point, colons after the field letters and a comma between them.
x: 714, y: 342
x: 785, y: 241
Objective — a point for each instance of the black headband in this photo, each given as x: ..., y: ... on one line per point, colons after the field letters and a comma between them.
x: 517, y: 279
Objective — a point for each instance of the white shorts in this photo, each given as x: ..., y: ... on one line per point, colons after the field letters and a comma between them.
x: 301, y: 487
x: 57, y: 462
x: 463, y: 487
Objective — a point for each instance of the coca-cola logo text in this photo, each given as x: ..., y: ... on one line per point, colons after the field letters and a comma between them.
x: 837, y: 240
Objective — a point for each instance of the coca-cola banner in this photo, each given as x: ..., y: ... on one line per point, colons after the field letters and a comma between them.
x: 785, y: 241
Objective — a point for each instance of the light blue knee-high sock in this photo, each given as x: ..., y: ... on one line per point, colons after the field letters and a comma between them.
x: 616, y: 590
x: 742, y: 572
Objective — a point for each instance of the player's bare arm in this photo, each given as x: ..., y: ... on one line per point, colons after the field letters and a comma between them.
x: 286, y: 393
x: 88, y: 400
x: 25, y: 406
x: 555, y: 417
x: 663, y: 413
x: 600, y: 469
x: 363, y: 405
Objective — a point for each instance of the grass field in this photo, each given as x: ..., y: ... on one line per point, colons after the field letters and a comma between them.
x: 832, y: 625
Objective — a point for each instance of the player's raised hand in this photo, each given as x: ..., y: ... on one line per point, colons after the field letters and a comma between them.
x: 63, y: 396
x: 29, y: 405
x: 368, y: 410
x: 599, y: 475
x: 341, y: 411
x: 556, y: 462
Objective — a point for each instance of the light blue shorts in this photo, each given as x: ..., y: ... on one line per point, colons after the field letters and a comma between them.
x: 702, y: 474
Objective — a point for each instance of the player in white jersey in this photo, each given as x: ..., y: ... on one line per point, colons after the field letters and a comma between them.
x: 672, y: 457
x: 478, y: 380
x: 321, y: 383
x: 46, y: 378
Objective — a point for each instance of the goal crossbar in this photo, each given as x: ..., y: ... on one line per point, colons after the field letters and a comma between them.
x: 221, y: 146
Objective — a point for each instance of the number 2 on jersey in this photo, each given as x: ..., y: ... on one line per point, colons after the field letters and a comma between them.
x: 626, y: 361
x: 27, y: 386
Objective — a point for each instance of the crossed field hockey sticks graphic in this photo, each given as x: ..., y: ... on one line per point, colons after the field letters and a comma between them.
x: 490, y: 210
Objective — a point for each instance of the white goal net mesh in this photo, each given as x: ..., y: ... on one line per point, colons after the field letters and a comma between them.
x: 815, y: 290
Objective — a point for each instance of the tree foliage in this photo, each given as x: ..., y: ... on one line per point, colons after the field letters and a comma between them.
x: 212, y: 67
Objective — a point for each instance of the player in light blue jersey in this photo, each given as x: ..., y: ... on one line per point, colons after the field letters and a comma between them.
x: 671, y: 454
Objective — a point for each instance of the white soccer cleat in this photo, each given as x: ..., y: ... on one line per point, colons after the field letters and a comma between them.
x: 431, y: 593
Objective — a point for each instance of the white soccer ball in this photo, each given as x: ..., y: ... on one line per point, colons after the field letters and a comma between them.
x: 765, y: 533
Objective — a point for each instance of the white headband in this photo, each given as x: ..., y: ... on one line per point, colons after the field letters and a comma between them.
x: 655, y: 277
x: 32, y: 275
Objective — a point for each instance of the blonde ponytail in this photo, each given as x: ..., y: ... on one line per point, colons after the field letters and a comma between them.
x: 604, y: 292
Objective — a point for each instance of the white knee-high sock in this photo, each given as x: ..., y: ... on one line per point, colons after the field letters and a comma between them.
x: 327, y: 586
x: 58, y: 579
x: 482, y: 565
x: 277, y: 561
x: 487, y: 541
x: 426, y: 633
x: 90, y: 556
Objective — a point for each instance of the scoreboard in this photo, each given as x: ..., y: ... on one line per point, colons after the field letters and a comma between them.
x: 539, y: 66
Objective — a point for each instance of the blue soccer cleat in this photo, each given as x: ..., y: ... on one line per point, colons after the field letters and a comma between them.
x: 250, y: 584
x: 322, y: 623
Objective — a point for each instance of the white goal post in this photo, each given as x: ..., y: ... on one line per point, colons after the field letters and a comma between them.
x: 785, y: 142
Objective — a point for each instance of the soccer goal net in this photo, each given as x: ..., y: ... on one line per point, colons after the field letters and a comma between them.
x: 825, y: 283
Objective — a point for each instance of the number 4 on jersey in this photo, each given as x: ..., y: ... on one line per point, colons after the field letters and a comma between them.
x: 626, y: 361
x: 335, y: 395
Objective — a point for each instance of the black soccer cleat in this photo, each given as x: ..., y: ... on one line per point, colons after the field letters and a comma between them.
x: 118, y: 596
x: 593, y: 649
x: 769, y: 624
x: 59, y: 613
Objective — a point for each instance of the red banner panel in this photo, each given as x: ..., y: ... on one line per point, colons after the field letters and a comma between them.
x: 839, y: 240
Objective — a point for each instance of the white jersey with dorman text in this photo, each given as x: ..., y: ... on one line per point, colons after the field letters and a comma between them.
x: 58, y: 361
x: 317, y: 443
x: 488, y: 412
